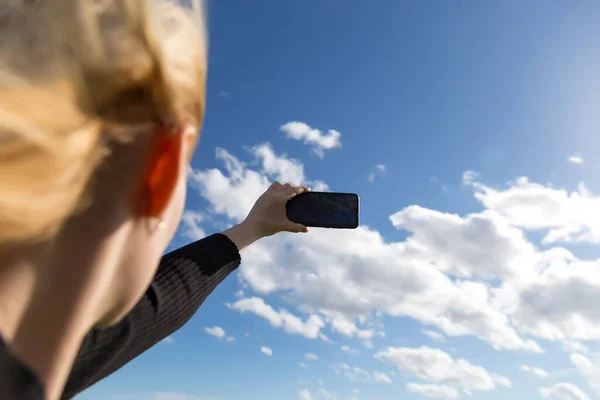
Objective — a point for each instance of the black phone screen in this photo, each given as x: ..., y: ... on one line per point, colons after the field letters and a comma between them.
x: 325, y: 210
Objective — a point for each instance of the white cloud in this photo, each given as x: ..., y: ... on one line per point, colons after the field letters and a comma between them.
x: 502, y: 380
x: 438, y: 337
x: 381, y: 377
x: 463, y: 275
x: 433, y: 391
x: 436, y: 366
x: 556, y: 306
x: 581, y: 362
x: 470, y: 176
x: 575, y: 159
x: 567, y: 216
x: 235, y: 194
x: 360, y: 371
x: 216, y: 331
x: 302, y: 365
x: 563, y: 391
x: 168, y: 340
x: 191, y: 225
x: 349, y: 350
x: 354, y: 273
x: 498, y: 252
x: 379, y: 170
x: 534, y: 370
x: 311, y: 356
x: 161, y: 396
x: 313, y: 137
x: 266, y: 350
x: 589, y: 368
x: 572, y: 346
x: 280, y: 167
x: 345, y: 326
x: 304, y: 395
x: 230, y: 339
x: 171, y: 396
x: 553, y: 300
x: 176, y: 396
x: 280, y: 319
x: 326, y: 395
x: 353, y: 373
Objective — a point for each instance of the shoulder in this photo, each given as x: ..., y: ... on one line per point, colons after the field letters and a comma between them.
x: 17, y: 380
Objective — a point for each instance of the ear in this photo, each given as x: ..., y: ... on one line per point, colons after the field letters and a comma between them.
x: 168, y: 157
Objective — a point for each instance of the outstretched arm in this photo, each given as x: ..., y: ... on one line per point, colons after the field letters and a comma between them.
x: 184, y: 280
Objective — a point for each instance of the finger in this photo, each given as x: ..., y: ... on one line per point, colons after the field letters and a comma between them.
x: 275, y: 185
x: 296, y: 228
x: 288, y: 186
x: 292, y: 192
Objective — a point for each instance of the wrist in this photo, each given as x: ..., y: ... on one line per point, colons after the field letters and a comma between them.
x: 244, y: 234
x: 251, y: 230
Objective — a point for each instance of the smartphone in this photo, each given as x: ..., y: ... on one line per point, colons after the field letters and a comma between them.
x: 324, y: 210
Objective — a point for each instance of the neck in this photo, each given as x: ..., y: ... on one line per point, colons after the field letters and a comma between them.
x: 18, y: 276
x: 51, y: 298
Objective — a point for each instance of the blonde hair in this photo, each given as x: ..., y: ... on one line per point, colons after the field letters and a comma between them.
x: 75, y: 75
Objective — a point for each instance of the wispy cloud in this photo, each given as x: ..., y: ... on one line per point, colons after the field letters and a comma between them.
x: 433, y: 391
x: 563, y: 391
x: 534, y: 370
x: 216, y: 331
x: 191, y: 221
x: 381, y: 377
x: 438, y: 337
x: 378, y: 171
x: 266, y: 350
x: 438, y: 367
x: 168, y: 340
x: 280, y: 319
x: 304, y: 395
x: 349, y: 350
x: 575, y: 159
x: 318, y: 140
x: 435, y: 180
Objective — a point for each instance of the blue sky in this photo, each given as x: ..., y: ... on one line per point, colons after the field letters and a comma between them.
x: 470, y: 130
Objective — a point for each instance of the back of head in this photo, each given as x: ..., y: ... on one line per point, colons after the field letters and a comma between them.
x: 76, y: 75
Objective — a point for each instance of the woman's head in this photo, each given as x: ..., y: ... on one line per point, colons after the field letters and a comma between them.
x: 101, y: 102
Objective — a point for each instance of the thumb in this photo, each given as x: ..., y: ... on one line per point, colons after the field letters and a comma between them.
x: 294, y: 227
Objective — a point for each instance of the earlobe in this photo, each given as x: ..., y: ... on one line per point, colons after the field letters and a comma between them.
x: 162, y: 176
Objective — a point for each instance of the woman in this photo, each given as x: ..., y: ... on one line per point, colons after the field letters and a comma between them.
x: 100, y: 105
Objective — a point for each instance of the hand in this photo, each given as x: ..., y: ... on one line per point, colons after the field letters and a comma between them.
x: 268, y: 215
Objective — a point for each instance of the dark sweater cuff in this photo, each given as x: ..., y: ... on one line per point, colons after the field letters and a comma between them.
x: 216, y: 252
